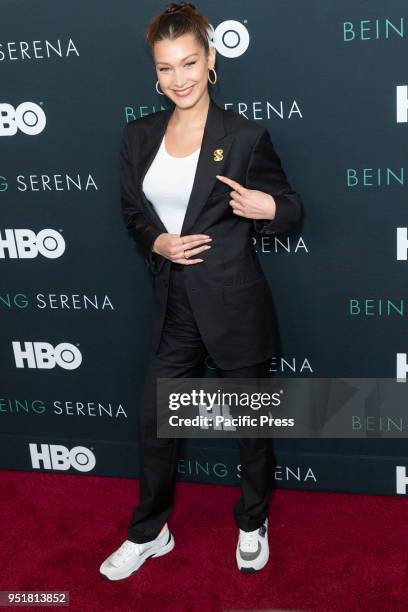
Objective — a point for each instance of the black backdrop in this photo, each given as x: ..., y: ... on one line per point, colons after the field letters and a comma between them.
x: 324, y: 79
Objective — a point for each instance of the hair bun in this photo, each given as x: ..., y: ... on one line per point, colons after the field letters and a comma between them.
x: 176, y: 8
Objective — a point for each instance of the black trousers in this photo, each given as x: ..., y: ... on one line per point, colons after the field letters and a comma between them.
x: 181, y: 354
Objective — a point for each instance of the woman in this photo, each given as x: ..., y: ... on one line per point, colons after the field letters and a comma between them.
x: 183, y: 172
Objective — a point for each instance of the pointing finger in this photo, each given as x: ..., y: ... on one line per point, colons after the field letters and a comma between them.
x: 234, y: 184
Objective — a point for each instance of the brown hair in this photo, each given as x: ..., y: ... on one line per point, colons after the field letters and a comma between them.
x: 176, y: 20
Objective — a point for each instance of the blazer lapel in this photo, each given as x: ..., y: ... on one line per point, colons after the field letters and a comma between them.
x: 210, y: 161
x: 149, y: 150
x: 215, y: 147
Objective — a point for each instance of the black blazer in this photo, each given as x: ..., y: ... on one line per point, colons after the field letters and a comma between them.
x: 228, y: 291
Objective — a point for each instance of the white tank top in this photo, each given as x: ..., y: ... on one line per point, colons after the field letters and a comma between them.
x: 168, y: 184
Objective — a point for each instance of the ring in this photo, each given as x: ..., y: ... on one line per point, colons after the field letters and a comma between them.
x: 185, y: 256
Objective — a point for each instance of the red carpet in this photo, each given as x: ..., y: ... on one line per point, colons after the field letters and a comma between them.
x: 329, y: 551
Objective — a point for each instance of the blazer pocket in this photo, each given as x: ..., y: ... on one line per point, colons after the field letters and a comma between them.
x: 244, y: 293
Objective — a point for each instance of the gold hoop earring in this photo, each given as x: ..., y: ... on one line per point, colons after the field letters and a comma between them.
x: 215, y: 79
x: 159, y: 92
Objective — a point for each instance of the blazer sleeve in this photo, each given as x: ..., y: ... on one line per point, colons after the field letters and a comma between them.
x: 265, y: 173
x: 138, y: 225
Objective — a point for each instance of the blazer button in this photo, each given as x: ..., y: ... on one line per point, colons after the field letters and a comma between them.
x: 165, y: 283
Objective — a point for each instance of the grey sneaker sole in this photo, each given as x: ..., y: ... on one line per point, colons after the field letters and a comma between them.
x: 162, y: 551
x: 250, y: 569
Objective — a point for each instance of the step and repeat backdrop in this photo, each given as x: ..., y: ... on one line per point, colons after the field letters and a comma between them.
x: 330, y: 83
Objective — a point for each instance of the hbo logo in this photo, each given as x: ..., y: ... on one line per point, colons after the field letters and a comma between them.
x: 27, y: 117
x: 43, y: 356
x: 25, y: 244
x: 231, y: 38
x: 57, y: 457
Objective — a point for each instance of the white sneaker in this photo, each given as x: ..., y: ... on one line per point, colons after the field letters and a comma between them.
x: 253, y: 548
x: 131, y: 555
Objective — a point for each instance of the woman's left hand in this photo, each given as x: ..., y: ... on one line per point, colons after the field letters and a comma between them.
x: 249, y: 203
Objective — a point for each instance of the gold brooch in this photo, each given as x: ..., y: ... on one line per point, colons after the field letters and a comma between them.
x: 218, y: 154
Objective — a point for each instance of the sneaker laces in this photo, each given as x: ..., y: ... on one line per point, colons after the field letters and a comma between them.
x: 248, y: 540
x: 125, y: 551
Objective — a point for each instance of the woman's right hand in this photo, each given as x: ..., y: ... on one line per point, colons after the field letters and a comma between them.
x: 180, y: 249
